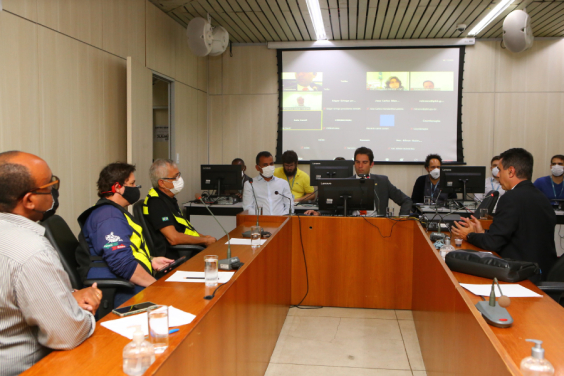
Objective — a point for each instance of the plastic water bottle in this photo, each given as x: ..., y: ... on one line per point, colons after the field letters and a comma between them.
x: 446, y: 248
x: 138, y: 355
x: 536, y: 364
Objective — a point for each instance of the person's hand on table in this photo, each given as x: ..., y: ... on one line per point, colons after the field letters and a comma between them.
x: 160, y: 263
x: 88, y: 298
x: 208, y: 240
x: 311, y: 212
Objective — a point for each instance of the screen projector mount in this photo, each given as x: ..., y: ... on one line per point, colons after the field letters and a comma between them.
x: 203, y: 39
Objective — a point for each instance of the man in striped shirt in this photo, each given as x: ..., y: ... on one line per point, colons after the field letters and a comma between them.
x: 38, y: 309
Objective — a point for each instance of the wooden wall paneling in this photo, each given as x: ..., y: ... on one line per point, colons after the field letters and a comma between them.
x: 186, y: 64
x: 212, y: 6
x: 399, y: 17
x: 264, y: 8
x: 478, y: 128
x: 124, y: 28
x: 333, y: 7
x: 287, y: 14
x: 48, y: 13
x: 202, y: 72
x: 480, y: 68
x: 20, y: 128
x: 215, y: 128
x: 245, y: 133
x: 402, y: 177
x: 160, y: 41
x: 185, y: 125
x: 23, y: 8
x: 233, y: 11
x: 473, y: 18
x: 468, y: 15
x: 298, y: 16
x: 140, y: 120
x: 450, y: 24
x: 551, y: 18
x: 215, y: 74
x: 202, y: 135
x: 430, y: 11
x: 264, y: 21
x: 441, y: 16
x: 251, y: 70
x: 284, y: 24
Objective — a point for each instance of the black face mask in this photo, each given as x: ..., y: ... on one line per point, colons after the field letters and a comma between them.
x: 132, y: 194
x: 49, y: 213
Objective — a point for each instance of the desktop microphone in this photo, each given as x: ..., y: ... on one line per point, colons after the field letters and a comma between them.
x: 494, y: 312
x: 247, y: 234
x: 229, y: 263
x: 280, y: 194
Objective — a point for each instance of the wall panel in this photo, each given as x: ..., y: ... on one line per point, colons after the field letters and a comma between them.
x: 161, y: 41
x: 124, y: 28
x: 479, y: 67
x: 24, y: 8
x: 251, y: 70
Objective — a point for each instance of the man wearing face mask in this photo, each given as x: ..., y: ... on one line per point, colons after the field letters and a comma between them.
x: 115, y: 242
x: 552, y: 185
x: 523, y: 227
x: 297, y: 179
x: 39, y: 311
x: 164, y: 217
x: 265, y: 187
x: 492, y: 182
x: 428, y: 185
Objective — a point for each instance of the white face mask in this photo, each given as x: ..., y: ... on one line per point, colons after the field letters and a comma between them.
x: 557, y: 170
x: 495, y: 172
x: 178, y: 185
x: 268, y: 171
x: 436, y: 173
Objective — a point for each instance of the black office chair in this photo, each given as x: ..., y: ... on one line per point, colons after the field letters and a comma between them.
x: 66, y: 244
x: 554, y: 284
x: 188, y: 250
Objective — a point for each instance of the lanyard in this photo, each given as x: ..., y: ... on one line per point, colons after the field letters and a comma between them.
x: 433, y: 189
x: 493, y: 187
x: 293, y: 181
x: 554, y: 190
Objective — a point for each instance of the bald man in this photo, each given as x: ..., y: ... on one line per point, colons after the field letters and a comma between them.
x: 39, y: 311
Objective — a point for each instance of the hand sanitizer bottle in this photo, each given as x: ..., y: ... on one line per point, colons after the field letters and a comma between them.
x: 138, y: 355
x: 536, y: 364
x: 446, y: 248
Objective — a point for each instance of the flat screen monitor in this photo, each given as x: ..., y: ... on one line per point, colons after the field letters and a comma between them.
x: 221, y: 178
x: 346, y: 195
x: 463, y: 179
x: 330, y: 170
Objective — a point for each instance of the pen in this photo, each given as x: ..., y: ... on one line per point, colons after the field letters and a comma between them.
x: 173, y: 331
x: 195, y: 277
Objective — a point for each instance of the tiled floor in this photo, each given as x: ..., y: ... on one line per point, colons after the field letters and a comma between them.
x: 347, y: 341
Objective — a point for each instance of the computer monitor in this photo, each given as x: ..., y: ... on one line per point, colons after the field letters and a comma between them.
x: 463, y: 179
x: 346, y: 195
x: 221, y: 178
x: 329, y: 170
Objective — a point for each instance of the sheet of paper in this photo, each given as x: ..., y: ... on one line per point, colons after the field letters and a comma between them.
x: 239, y: 241
x: 197, y: 277
x: 126, y: 325
x: 512, y: 291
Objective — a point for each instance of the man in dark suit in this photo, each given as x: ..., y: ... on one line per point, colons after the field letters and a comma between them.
x: 523, y: 226
x: 384, y: 190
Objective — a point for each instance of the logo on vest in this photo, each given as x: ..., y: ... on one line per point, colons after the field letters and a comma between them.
x: 165, y: 219
x: 113, y: 238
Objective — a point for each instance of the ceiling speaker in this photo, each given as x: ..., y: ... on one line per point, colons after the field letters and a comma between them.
x: 200, y: 37
x: 517, y: 31
x: 220, y: 41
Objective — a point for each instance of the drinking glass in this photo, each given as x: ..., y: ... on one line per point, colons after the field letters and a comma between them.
x: 158, y: 327
x: 483, y: 213
x: 210, y: 272
x: 256, y: 233
x: 427, y: 200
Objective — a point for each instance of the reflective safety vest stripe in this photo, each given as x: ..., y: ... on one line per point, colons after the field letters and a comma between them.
x: 188, y: 229
x: 139, y: 245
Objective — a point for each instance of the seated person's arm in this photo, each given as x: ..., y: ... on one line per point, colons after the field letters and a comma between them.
x: 400, y: 199
x: 248, y: 198
x: 174, y: 237
x: 309, y: 193
x: 141, y: 278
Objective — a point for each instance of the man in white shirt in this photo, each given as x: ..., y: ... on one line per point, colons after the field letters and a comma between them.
x: 492, y: 182
x: 273, y: 194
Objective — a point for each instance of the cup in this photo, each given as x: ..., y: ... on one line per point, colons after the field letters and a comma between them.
x: 158, y: 327
x: 458, y: 242
x: 259, y: 210
x: 427, y: 200
x: 483, y: 213
x: 256, y: 233
x: 211, y: 276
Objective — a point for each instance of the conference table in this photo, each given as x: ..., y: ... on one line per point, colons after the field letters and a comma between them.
x: 351, y: 262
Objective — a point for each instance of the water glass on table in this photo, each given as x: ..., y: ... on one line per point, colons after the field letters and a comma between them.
x: 427, y: 200
x: 211, y: 275
x: 158, y: 327
x: 256, y: 233
x: 483, y: 213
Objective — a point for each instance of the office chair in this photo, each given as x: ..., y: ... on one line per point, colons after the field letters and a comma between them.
x: 188, y: 250
x: 554, y: 284
x: 66, y: 244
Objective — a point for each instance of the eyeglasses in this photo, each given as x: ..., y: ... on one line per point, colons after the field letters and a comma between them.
x: 174, y: 178
x: 55, y: 184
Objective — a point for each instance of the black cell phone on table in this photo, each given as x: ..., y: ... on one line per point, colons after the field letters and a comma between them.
x: 173, y: 265
x: 133, y: 309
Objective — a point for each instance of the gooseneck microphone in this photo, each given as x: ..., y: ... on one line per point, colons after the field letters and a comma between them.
x: 280, y: 194
x: 229, y: 263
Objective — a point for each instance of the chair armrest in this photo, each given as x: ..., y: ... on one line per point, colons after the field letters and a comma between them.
x: 187, y: 247
x: 551, y: 287
x: 110, y: 283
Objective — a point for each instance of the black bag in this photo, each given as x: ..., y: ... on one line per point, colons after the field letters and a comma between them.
x: 486, y: 265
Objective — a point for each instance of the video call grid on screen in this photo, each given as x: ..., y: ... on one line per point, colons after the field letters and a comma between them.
x: 401, y: 103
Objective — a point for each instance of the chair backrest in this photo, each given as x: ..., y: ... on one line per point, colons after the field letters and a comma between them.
x: 138, y: 214
x: 65, y: 243
x: 556, y: 274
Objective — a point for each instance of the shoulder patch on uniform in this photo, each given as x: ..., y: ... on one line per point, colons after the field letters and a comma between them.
x: 165, y: 219
x: 113, y: 238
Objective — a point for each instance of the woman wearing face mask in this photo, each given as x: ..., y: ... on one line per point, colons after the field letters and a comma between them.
x: 492, y: 182
x: 428, y: 185
x: 552, y: 185
x: 116, y: 246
